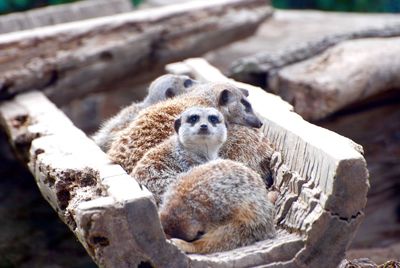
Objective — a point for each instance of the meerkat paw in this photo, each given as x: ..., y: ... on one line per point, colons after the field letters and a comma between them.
x: 183, y: 245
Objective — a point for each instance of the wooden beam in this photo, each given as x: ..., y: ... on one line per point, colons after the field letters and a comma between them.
x: 52, y: 15
x: 68, y: 61
x: 321, y: 176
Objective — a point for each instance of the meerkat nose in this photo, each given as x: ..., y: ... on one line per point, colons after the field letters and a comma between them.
x: 203, y: 127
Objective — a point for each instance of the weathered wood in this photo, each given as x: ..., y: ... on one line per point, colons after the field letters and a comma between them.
x: 62, y: 13
x: 112, y: 216
x: 321, y: 176
x: 376, y: 125
x: 70, y: 60
x: 343, y: 75
x: 266, y: 64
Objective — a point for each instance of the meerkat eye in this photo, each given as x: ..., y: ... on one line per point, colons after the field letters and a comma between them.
x: 188, y: 83
x: 199, y: 235
x: 246, y: 105
x: 213, y: 119
x: 193, y: 119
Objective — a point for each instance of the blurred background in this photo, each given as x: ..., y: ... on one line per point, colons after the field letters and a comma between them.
x: 389, y: 6
x: 31, y: 235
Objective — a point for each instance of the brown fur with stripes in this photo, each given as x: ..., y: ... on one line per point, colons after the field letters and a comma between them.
x: 217, y: 206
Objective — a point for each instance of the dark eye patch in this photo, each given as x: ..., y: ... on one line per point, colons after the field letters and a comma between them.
x: 199, y: 235
x: 193, y: 119
x: 246, y: 104
x: 187, y: 83
x: 213, y: 119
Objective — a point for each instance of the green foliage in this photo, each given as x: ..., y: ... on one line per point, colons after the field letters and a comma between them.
x: 7, y: 6
x: 392, y: 6
x: 137, y: 2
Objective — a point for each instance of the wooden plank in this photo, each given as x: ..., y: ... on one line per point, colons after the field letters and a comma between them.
x: 61, y: 14
x: 68, y: 61
x: 321, y: 176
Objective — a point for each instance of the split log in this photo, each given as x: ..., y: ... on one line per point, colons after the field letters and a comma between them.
x: 322, y: 179
x: 266, y: 64
x: 113, y: 217
x: 62, y: 13
x: 308, y: 74
x: 68, y: 61
x: 343, y: 75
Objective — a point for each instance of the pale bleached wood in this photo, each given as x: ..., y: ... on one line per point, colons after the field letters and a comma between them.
x: 343, y: 75
x: 51, y: 15
x: 321, y: 176
x: 70, y: 60
x: 113, y: 217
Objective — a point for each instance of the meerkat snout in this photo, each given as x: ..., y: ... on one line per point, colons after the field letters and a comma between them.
x: 236, y: 108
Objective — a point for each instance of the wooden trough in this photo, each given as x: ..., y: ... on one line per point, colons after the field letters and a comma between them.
x: 321, y: 176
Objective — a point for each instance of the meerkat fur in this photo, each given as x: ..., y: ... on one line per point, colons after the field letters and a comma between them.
x: 155, y: 123
x: 164, y: 87
x: 252, y: 148
x: 217, y: 206
x: 200, y: 132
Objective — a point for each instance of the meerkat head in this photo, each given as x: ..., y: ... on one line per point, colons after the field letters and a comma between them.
x: 234, y: 105
x: 168, y: 86
x: 192, y: 207
x: 202, y: 131
x: 179, y: 221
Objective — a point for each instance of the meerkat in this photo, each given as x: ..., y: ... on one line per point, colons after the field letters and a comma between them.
x: 165, y: 87
x: 251, y: 147
x: 200, y: 132
x: 155, y: 124
x: 217, y: 206
x: 160, y: 166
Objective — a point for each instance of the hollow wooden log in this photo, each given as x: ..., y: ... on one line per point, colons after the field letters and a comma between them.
x: 322, y: 179
x: 61, y: 14
x: 321, y: 176
x: 113, y: 217
x: 68, y: 61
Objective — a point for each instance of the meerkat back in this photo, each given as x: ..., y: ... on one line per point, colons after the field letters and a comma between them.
x: 164, y: 87
x: 217, y: 206
x: 251, y: 147
x: 155, y: 124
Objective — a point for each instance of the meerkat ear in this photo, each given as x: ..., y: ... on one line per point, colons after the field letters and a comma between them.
x: 169, y: 93
x: 245, y: 92
x: 177, y: 125
x: 224, y: 97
